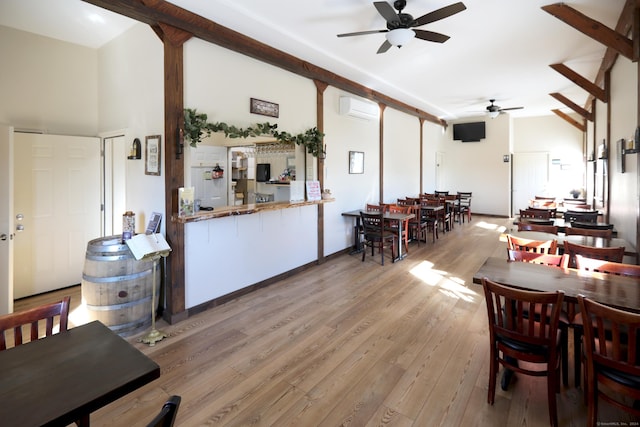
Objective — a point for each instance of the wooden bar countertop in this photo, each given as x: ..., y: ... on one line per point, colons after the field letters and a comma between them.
x: 252, y: 208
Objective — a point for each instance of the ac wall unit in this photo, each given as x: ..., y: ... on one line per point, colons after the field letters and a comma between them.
x: 356, y: 108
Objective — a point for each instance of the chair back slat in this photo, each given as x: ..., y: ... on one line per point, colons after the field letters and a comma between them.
x: 529, y: 245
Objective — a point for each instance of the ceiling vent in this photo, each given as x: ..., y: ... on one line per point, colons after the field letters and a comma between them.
x: 356, y: 108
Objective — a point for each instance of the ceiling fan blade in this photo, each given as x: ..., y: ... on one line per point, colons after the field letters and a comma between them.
x: 511, y: 108
x: 442, y: 13
x: 431, y: 36
x: 384, y: 47
x: 387, y: 12
x: 362, y: 33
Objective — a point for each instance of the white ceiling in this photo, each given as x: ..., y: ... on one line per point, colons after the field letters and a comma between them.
x: 498, y: 48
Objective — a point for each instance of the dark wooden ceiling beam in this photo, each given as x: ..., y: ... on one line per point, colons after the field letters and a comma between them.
x: 153, y: 12
x: 624, y: 26
x: 584, y: 83
x: 571, y: 120
x: 575, y: 107
x: 594, y: 29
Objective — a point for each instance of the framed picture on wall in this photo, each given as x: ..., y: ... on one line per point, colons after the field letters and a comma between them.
x: 356, y: 162
x: 152, y: 155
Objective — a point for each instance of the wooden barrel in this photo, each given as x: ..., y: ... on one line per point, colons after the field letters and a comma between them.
x: 116, y: 288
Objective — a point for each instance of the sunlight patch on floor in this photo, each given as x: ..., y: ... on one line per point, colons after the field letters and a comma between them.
x: 79, y: 316
x: 450, y: 286
x: 490, y: 226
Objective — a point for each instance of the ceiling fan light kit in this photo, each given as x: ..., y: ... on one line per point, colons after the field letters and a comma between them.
x: 400, y: 36
x: 399, y: 25
x: 495, y: 110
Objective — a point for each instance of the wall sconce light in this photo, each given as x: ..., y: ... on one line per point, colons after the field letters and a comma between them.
x: 136, y: 150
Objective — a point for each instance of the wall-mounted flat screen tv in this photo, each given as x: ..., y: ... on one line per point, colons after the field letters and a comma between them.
x: 469, y: 132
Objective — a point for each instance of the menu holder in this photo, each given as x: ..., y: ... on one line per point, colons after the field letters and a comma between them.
x: 148, y: 246
x: 154, y: 223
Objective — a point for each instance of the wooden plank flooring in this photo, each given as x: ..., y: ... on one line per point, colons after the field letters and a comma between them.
x: 347, y: 343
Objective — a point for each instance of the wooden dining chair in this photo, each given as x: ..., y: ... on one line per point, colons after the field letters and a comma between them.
x: 514, y: 336
x: 418, y: 225
x: 599, y: 266
x: 582, y: 216
x: 577, y: 231
x: 404, y: 224
x: 167, y: 415
x: 560, y: 261
x: 594, y: 265
x: 40, y: 321
x: 529, y: 245
x: 552, y: 260
x: 534, y: 214
x: 376, y: 235
x: 592, y: 225
x: 611, y: 350
x: 465, y: 204
x: 612, y: 254
x: 544, y: 228
x: 552, y: 210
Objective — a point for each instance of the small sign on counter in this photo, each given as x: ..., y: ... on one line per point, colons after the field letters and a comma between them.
x: 313, y: 190
x: 296, y: 191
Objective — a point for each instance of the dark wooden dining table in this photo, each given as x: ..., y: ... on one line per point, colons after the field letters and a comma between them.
x: 393, y: 216
x: 60, y: 379
x: 610, y: 289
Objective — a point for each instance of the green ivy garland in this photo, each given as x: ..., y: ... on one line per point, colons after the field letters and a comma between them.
x: 196, y: 127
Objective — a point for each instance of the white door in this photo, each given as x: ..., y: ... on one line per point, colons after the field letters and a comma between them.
x: 6, y: 219
x: 530, y: 178
x: 57, y: 195
x: 113, y: 184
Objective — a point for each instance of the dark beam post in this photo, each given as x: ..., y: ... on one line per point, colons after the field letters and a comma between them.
x: 320, y: 88
x: 173, y: 40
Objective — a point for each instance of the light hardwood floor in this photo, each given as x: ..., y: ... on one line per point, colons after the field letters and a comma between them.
x: 347, y: 343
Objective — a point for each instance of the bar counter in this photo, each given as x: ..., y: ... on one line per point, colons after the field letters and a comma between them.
x: 252, y: 208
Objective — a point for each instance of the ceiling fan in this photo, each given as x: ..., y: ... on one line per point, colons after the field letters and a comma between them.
x: 494, y: 110
x: 399, y: 25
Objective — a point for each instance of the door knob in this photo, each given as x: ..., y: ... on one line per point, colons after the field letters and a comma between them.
x: 19, y: 227
x: 3, y: 236
x: 19, y: 217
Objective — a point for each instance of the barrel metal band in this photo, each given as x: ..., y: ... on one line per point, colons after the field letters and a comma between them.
x: 116, y: 278
x: 116, y: 306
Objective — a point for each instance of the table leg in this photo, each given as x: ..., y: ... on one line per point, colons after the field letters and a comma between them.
x: 84, y: 421
x: 357, y: 247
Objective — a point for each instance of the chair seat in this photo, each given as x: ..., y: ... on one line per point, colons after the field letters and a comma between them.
x: 534, y: 349
x: 628, y: 380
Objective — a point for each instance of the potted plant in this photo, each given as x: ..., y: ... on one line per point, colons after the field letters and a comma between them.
x: 196, y: 126
x: 575, y: 193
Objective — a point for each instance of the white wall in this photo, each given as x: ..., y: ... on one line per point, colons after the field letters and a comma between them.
x: 624, y: 186
x: 131, y: 98
x: 351, y: 191
x: 47, y: 84
x: 401, y: 155
x: 563, y: 141
x: 478, y: 166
